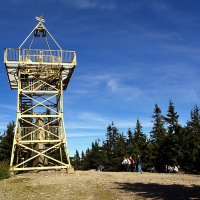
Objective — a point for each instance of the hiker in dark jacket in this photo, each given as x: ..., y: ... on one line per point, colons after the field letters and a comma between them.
x: 139, y: 164
x: 131, y: 164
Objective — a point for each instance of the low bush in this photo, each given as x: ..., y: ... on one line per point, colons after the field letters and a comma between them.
x: 4, y: 170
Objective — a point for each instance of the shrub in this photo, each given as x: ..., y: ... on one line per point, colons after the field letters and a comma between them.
x: 4, y: 170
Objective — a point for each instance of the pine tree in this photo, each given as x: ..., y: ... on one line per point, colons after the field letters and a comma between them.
x: 87, y: 162
x: 6, y: 141
x: 157, y: 138
x: 130, y: 137
x: 139, y: 145
x: 97, y: 156
x: 110, y: 148
x: 111, y: 138
x: 138, y: 136
x: 170, y: 145
x: 82, y: 160
x: 129, y: 142
x: 158, y: 131
x: 120, y: 152
x: 77, y: 160
x: 191, y: 143
x: 171, y: 119
x: 138, y: 133
x: 194, y: 123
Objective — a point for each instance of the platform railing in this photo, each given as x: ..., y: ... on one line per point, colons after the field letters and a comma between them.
x: 31, y: 133
x: 38, y: 56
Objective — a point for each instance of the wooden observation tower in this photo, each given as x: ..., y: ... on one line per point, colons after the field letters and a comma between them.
x: 39, y: 75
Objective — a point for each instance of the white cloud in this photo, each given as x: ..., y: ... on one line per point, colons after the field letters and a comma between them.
x: 182, y: 49
x: 87, y: 120
x: 130, y: 123
x: 3, y: 126
x: 83, y: 133
x: 6, y: 106
x: 129, y: 92
x: 96, y: 121
x: 160, y: 6
x: 4, y: 120
x: 92, y: 116
x: 90, y: 4
x: 108, y: 84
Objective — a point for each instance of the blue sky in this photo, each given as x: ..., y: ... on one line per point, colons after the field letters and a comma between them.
x: 131, y: 54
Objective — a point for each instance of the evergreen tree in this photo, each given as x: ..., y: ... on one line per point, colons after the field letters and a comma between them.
x: 139, y: 145
x: 191, y: 143
x: 130, y: 137
x: 82, y: 160
x: 87, y: 162
x: 111, y: 138
x: 6, y: 142
x: 77, y: 160
x: 171, y: 118
x: 170, y: 145
x: 157, y: 137
x: 139, y: 138
x: 158, y: 131
x: 97, y: 156
x: 110, y: 148
x: 194, y: 123
x: 129, y: 142
x: 138, y: 130
x: 120, y: 152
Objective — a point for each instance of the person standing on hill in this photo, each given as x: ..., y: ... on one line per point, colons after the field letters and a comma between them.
x: 125, y: 164
x: 139, y: 163
x: 131, y: 163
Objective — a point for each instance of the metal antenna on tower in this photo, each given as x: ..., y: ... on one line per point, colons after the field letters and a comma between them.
x: 40, y: 19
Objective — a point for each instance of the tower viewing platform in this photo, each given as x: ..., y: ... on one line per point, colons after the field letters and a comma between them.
x: 31, y: 59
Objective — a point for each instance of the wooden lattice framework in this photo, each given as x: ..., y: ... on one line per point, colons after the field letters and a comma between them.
x: 39, y: 76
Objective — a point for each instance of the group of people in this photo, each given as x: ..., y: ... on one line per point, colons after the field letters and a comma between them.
x: 172, y: 169
x: 130, y: 165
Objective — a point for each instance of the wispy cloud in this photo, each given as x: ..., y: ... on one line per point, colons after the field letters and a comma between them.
x: 97, y: 121
x: 83, y: 135
x: 92, y: 116
x: 163, y: 83
x: 166, y: 10
x: 4, y: 120
x: 6, y: 106
x: 182, y: 49
x: 180, y: 75
x: 90, y: 4
x: 130, y: 123
x: 121, y: 124
x: 108, y: 84
x: 129, y: 92
x: 8, y: 113
x: 160, y: 6
x: 86, y: 120
x: 86, y: 133
x: 175, y: 81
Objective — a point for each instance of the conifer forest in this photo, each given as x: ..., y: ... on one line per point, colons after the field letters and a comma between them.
x: 168, y: 143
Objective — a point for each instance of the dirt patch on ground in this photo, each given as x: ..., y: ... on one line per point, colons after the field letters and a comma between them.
x: 89, y: 185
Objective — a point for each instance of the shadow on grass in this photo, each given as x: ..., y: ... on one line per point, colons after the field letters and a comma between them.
x: 157, y: 191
